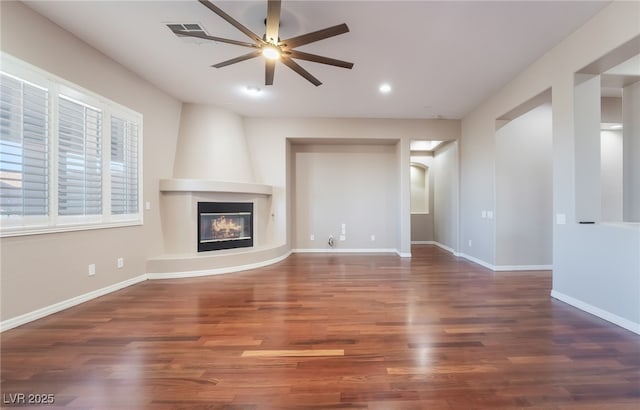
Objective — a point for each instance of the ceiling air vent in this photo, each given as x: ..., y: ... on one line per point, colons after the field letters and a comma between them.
x: 188, y: 27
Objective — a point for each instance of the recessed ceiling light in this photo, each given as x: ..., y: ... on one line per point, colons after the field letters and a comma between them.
x: 385, y: 88
x: 252, y: 90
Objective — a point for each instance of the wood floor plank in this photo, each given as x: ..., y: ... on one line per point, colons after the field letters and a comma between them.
x: 329, y: 332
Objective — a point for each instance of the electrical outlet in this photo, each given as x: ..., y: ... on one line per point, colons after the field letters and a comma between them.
x: 120, y: 263
x: 343, y: 237
x: 312, y: 237
x: 92, y: 269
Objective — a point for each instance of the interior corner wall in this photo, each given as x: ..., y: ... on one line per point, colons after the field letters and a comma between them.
x: 595, y: 267
x: 524, y: 191
x: 41, y: 270
x: 446, y: 196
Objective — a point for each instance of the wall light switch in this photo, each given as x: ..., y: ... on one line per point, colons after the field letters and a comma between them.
x: 343, y: 237
x: 92, y: 269
x: 373, y: 238
x: 490, y: 214
x: 561, y: 219
x: 312, y: 237
x: 120, y: 263
x: 147, y: 205
x: 344, y: 229
x: 484, y: 214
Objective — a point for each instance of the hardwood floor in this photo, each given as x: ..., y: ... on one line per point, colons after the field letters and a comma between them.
x: 329, y: 332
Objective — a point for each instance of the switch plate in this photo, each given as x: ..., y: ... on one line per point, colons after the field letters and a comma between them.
x: 373, y: 238
x: 312, y: 237
x: 92, y: 269
x: 484, y: 214
x: 147, y: 205
x: 343, y: 237
x: 344, y: 229
x: 490, y: 214
x: 561, y: 219
x: 120, y: 263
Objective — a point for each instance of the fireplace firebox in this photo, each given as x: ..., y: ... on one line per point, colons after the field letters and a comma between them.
x: 224, y: 225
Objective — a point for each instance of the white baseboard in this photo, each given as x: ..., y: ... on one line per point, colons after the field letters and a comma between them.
x: 495, y: 268
x: 602, y: 314
x: 445, y: 247
x: 346, y: 250
x: 216, y: 271
x: 66, y: 304
x: 476, y: 261
x: 502, y: 268
x: 423, y: 243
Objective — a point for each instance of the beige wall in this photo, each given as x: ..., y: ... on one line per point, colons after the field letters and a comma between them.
x: 524, y: 202
x: 596, y: 267
x: 354, y: 185
x: 268, y: 138
x: 40, y: 270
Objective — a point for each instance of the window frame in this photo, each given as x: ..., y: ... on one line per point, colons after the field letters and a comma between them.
x: 18, y: 225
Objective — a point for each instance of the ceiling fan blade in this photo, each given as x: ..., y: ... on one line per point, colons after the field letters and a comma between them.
x: 218, y: 39
x: 316, y: 36
x: 298, y: 69
x: 270, y: 68
x: 244, y: 57
x: 235, y: 23
x: 273, y: 21
x: 319, y: 59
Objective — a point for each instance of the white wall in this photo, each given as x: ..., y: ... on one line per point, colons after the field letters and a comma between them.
x: 524, y: 227
x: 40, y: 270
x: 611, y: 159
x: 596, y: 267
x: 445, y: 195
x: 354, y: 185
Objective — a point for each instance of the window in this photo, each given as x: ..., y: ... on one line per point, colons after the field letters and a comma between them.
x: 69, y: 159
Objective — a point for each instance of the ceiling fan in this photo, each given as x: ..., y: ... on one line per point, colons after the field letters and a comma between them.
x: 271, y: 47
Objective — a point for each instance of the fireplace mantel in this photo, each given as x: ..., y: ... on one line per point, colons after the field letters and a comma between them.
x: 206, y: 185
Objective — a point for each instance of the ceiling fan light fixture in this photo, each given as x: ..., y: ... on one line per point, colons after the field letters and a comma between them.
x: 271, y: 52
x: 252, y: 90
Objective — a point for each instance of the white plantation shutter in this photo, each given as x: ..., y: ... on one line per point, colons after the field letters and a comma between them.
x: 69, y: 159
x: 24, y: 164
x: 79, y: 158
x: 124, y: 166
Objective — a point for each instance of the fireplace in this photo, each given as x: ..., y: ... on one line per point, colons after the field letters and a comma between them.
x: 224, y: 225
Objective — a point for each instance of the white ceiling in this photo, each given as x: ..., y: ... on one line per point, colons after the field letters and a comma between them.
x: 441, y: 58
